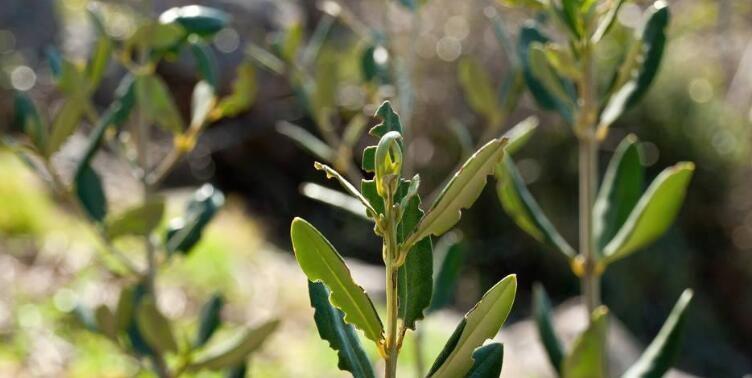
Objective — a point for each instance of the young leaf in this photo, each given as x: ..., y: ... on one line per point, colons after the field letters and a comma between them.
x: 321, y: 263
x: 155, y: 100
x: 156, y: 36
x: 139, y: 220
x: 607, y: 20
x: 520, y: 205
x: 209, y: 320
x: 90, y: 193
x: 544, y: 72
x: 620, y: 191
x: 487, y: 361
x: 482, y: 322
x: 154, y: 327
x: 65, y: 124
x: 236, y: 351
x: 244, y: 91
x: 544, y: 324
x: 340, y: 335
x: 183, y: 233
x: 390, y: 121
x: 476, y: 85
x: 653, y: 214
x: 331, y: 173
x: 660, y: 354
x: 587, y: 358
x: 196, y: 19
x: 460, y: 193
x: 451, y: 258
x: 652, y: 42
x: 97, y: 65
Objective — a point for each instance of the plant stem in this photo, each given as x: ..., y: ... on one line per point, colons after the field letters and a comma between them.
x: 391, y: 252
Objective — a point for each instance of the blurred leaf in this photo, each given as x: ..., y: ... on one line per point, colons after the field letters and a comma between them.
x: 544, y: 324
x: 487, y: 361
x: 520, y: 133
x: 321, y: 263
x: 210, y: 319
x: 308, y: 141
x: 196, y: 19
x: 236, y: 351
x: 266, y: 59
x: 138, y: 220
x: 326, y: 79
x: 530, y: 34
x: 27, y: 119
x: 607, y: 20
x: 354, y: 130
x: 532, y: 4
x: 97, y: 65
x: 157, y: 104
x: 202, y: 104
x: 72, y: 81
x: 239, y: 371
x: 520, y: 205
x: 244, y: 91
x: 588, y: 355
x: 661, y: 353
x: 461, y: 191
x: 543, y: 70
x: 155, y: 36
x: 340, y: 335
x: 450, y: 256
x: 619, y: 192
x: 105, y: 321
x: 55, y: 61
x: 183, y: 233
x: 653, y: 214
x: 615, y: 106
x: 90, y: 193
x: 374, y: 64
x: 652, y: 42
x: 154, y: 327
x: 476, y: 84
x: 334, y: 198
x: 561, y: 60
x: 206, y: 63
x: 570, y: 15
x: 482, y: 322
x: 125, y: 308
x: 290, y: 41
x: 65, y: 124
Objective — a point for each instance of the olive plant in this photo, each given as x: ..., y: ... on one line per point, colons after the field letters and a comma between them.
x: 392, y: 203
x: 616, y: 218
x: 143, y: 104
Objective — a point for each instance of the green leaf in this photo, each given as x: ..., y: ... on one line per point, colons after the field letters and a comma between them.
x: 196, y: 19
x: 542, y: 69
x: 652, y: 43
x: 619, y: 192
x: 588, y: 356
x: 65, y: 124
x: 529, y: 34
x: 461, y: 191
x: 607, y: 20
x: 236, y: 351
x: 290, y: 41
x: 210, y: 319
x: 331, y: 173
x: 321, y: 263
x: 207, y: 64
x: 139, y: 220
x: 90, y: 193
x: 653, y: 214
x: 544, y: 324
x: 202, y: 104
x: 183, y: 233
x: 244, y: 91
x: 661, y: 353
x: 154, y: 327
x: 450, y: 255
x: 27, y: 119
x: 415, y: 281
x: 390, y: 121
x: 157, y: 104
x: 97, y: 65
x: 340, y: 335
x: 520, y: 134
x: 105, y: 321
x: 487, y: 361
x: 476, y: 84
x: 125, y: 308
x: 155, y: 36
x: 480, y: 323
x: 561, y: 60
x: 520, y: 205
x: 306, y: 140
x: 374, y: 64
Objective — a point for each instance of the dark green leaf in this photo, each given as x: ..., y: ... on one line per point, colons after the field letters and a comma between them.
x: 661, y: 353
x: 138, y: 220
x: 340, y: 335
x: 239, y: 371
x: 546, y: 332
x: 652, y: 43
x: 520, y: 205
x: 322, y: 263
x: 157, y: 104
x: 90, y: 193
x: 183, y: 233
x: 588, y: 356
x: 620, y: 191
x: 449, y: 252
x: 154, y: 327
x: 374, y: 64
x: 196, y: 19
x: 487, y: 361
x: 236, y: 351
x: 27, y: 119
x: 390, y: 121
x: 209, y: 320
x: 206, y: 62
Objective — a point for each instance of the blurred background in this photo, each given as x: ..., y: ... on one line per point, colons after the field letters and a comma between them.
x: 698, y: 109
